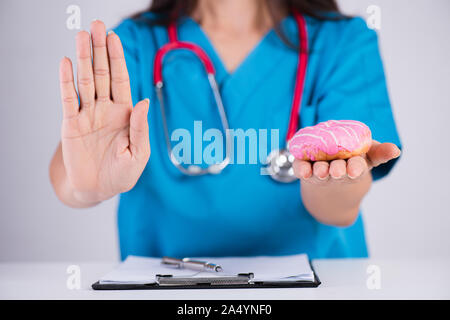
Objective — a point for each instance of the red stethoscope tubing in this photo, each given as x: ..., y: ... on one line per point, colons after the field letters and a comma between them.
x: 174, y: 44
x: 300, y: 76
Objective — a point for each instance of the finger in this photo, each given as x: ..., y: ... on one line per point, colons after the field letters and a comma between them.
x: 68, y: 93
x: 356, y: 166
x: 302, y: 169
x: 338, y: 168
x: 320, y: 170
x: 120, y: 83
x: 139, y: 139
x: 380, y: 153
x: 101, y: 63
x: 85, y: 77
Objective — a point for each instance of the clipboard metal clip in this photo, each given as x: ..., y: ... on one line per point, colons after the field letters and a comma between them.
x: 169, y: 280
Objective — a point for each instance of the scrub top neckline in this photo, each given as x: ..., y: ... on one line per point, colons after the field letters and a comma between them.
x: 211, y: 49
x: 239, y: 85
x: 216, y: 54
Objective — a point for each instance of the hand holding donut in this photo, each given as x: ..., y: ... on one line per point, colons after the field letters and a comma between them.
x: 340, y: 151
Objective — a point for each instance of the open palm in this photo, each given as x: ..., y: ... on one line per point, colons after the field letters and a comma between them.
x: 105, y: 140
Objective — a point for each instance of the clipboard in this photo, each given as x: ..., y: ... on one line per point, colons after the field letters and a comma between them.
x: 240, y: 281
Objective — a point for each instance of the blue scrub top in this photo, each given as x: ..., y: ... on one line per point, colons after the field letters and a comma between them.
x: 241, y: 212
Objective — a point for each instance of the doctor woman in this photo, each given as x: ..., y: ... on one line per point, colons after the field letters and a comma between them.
x: 114, y: 114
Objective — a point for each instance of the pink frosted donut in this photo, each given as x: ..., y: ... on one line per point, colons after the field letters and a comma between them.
x: 330, y: 140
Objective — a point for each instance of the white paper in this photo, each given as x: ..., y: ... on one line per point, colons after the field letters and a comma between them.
x: 265, y: 267
x: 142, y: 270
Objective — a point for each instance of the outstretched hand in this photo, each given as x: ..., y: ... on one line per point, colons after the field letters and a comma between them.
x: 324, y: 172
x: 105, y: 141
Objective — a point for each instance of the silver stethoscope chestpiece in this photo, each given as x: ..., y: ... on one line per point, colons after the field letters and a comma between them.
x: 279, y: 166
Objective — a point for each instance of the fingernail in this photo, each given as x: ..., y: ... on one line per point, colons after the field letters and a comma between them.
x: 148, y: 100
x: 354, y: 177
x: 95, y: 19
x: 350, y: 176
x: 110, y: 32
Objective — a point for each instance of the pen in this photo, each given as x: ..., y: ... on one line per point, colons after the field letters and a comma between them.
x: 188, y: 263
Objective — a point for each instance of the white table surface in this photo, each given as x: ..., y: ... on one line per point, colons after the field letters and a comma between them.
x: 341, y: 279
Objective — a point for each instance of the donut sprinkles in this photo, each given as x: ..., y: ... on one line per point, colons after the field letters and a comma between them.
x: 331, y: 140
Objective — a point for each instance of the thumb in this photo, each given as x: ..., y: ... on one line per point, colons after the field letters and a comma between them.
x: 139, y: 139
x: 380, y: 153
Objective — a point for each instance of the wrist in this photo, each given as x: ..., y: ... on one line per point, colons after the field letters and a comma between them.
x: 86, y: 199
x: 79, y: 199
x: 338, y: 218
x: 335, y: 202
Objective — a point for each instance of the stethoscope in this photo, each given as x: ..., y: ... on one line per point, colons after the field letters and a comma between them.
x: 279, y: 162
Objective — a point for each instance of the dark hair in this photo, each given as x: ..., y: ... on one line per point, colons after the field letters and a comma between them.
x: 320, y: 9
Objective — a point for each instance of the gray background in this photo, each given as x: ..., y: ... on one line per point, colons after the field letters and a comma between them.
x: 406, y: 215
